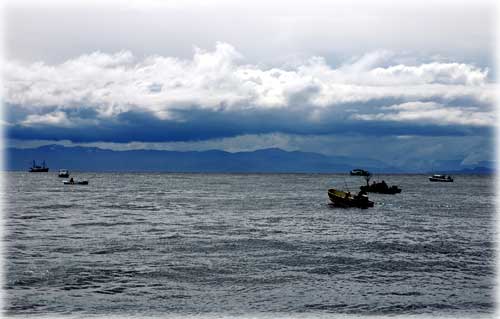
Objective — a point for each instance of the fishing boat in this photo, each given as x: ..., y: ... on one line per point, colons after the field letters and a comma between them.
x: 359, y: 172
x: 440, y: 178
x: 346, y: 199
x: 381, y: 188
x: 38, y: 169
x: 72, y: 182
x: 63, y: 173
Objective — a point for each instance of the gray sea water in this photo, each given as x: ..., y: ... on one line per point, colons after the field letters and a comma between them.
x: 230, y: 244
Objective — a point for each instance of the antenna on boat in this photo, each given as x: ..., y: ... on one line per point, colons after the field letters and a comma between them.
x: 367, y: 178
x: 346, y: 187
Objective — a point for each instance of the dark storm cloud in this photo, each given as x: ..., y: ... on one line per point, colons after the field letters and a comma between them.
x: 118, y: 98
x: 202, y: 124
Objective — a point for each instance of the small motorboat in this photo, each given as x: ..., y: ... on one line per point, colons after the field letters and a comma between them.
x: 440, y: 178
x: 63, y: 173
x: 359, y: 172
x: 71, y: 182
x: 345, y: 199
x: 381, y: 188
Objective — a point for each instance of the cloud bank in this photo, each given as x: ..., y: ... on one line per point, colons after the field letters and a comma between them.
x: 121, y: 98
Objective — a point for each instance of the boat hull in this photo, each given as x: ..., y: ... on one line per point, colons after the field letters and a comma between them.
x: 346, y: 200
x: 390, y: 190
x: 39, y: 170
x: 76, y: 183
x: 432, y: 179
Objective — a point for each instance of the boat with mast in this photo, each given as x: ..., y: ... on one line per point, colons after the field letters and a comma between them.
x: 38, y: 169
x: 381, y: 187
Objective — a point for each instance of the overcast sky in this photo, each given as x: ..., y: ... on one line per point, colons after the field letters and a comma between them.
x: 242, y: 76
x: 265, y: 31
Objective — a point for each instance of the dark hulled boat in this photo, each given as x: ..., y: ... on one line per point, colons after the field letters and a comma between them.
x: 75, y: 182
x: 38, y: 169
x: 381, y: 188
x: 345, y: 199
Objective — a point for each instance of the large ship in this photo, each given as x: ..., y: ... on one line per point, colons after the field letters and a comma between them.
x: 39, y: 169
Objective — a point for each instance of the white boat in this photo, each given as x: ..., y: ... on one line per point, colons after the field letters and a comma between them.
x: 359, y: 172
x: 63, y: 173
x: 440, y: 178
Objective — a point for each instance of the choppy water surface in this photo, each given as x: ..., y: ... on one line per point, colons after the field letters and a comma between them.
x: 233, y: 244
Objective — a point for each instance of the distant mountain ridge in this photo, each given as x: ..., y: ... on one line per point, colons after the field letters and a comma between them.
x: 272, y: 160
x: 476, y: 170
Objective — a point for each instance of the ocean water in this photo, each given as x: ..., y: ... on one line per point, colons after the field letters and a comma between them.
x: 236, y: 244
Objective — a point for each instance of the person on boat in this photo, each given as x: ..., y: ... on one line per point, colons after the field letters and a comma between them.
x: 71, y: 180
x: 348, y: 194
x: 384, y: 185
x: 361, y: 197
x: 361, y: 194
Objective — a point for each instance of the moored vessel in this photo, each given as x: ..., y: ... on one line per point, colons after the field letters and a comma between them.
x: 359, y: 172
x: 38, y: 169
x: 381, y: 188
x: 441, y: 178
x: 63, y: 173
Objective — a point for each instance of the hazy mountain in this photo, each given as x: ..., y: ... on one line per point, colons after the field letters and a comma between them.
x: 271, y: 160
x: 267, y: 160
x: 476, y: 170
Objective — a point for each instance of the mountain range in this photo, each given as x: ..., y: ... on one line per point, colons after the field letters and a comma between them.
x: 271, y: 160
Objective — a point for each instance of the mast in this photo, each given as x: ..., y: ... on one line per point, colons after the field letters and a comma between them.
x: 367, y: 178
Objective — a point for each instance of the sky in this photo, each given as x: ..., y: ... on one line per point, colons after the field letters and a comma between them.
x: 401, y: 82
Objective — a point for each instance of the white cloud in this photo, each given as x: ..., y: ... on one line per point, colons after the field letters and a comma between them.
x: 54, y: 118
x: 218, y: 80
x: 445, y: 73
x: 431, y: 113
